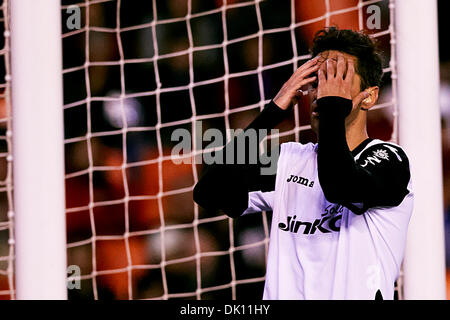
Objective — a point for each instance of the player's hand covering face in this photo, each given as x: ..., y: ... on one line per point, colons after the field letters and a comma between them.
x: 303, y: 76
x: 336, y: 78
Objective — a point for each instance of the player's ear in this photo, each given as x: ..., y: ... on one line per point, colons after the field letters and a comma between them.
x: 372, y: 98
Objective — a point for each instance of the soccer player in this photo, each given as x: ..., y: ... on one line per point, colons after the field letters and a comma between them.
x: 341, y: 207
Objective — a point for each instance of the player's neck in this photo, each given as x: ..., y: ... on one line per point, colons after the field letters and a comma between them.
x: 354, y: 140
x: 355, y: 134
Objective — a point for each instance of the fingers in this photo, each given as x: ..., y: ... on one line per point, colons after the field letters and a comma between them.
x: 308, y: 64
x: 303, y: 86
x: 311, y: 62
x: 350, y: 71
x: 331, y: 72
x: 321, y: 73
x: 307, y: 68
x: 322, y: 57
x: 298, y: 79
x: 307, y: 81
x: 301, y: 77
x: 306, y: 73
x: 341, y: 64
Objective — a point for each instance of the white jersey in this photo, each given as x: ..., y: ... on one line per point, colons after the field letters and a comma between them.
x: 322, y: 250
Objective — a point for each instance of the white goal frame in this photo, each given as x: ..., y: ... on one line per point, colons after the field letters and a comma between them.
x: 38, y: 150
x: 420, y: 135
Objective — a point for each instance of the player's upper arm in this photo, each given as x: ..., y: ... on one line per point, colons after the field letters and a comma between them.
x: 383, y: 175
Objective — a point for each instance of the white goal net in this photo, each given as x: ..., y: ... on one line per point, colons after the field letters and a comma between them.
x: 136, y: 71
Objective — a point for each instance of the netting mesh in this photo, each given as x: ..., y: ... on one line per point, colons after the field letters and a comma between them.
x: 6, y: 201
x: 133, y: 73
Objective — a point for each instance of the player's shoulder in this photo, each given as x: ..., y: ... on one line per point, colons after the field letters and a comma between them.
x: 382, y: 153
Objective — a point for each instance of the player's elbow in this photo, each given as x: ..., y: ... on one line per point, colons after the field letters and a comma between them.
x: 230, y: 204
x: 200, y: 196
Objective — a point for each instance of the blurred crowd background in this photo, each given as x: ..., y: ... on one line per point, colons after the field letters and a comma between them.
x: 119, y: 195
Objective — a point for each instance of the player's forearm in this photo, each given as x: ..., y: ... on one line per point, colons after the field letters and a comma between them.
x: 270, y: 117
x: 226, y: 186
x: 342, y: 179
x: 336, y: 165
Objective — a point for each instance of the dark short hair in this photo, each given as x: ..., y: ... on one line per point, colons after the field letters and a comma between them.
x: 357, y: 44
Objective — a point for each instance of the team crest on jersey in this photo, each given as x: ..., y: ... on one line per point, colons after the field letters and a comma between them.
x: 380, y: 155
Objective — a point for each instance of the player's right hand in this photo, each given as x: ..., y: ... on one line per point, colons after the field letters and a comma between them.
x: 288, y: 94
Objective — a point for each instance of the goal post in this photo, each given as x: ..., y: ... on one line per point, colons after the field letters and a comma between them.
x: 39, y: 198
x: 420, y: 134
